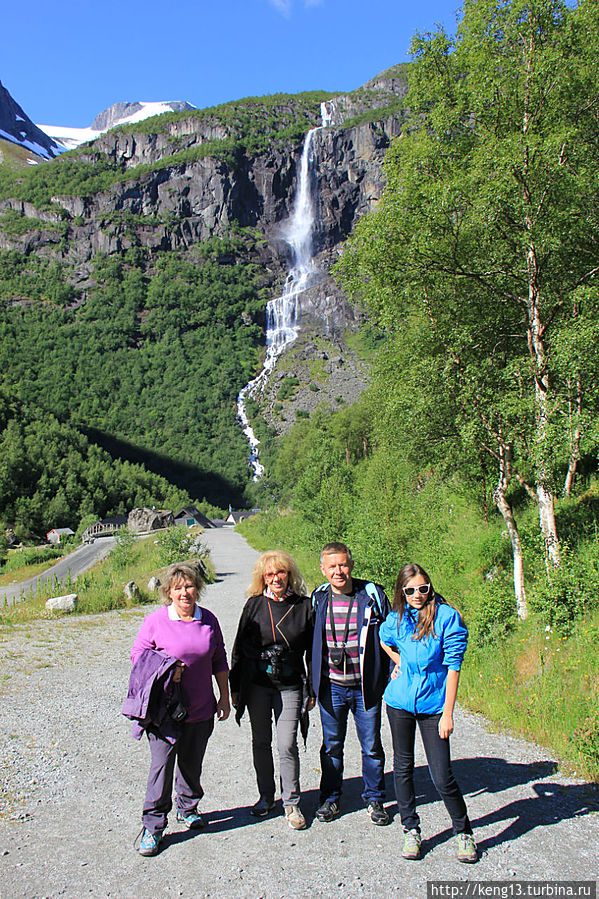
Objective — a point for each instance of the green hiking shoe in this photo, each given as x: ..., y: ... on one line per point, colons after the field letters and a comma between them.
x: 411, y: 844
x: 467, y: 851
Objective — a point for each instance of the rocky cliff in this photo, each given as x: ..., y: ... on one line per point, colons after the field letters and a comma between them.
x: 17, y: 127
x: 172, y: 182
x: 161, y: 197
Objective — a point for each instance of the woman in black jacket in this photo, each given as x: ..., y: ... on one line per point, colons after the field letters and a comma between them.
x: 270, y: 676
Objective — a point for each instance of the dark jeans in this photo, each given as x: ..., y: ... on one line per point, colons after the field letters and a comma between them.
x: 335, y: 703
x: 403, y: 733
x: 188, y: 752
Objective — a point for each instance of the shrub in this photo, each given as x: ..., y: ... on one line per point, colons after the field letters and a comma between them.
x: 177, y: 544
x: 287, y: 388
x: 586, y: 739
x: 493, y: 616
x: 571, y: 592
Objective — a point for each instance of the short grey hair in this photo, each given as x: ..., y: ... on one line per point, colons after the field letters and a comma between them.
x: 335, y: 547
x: 181, y: 571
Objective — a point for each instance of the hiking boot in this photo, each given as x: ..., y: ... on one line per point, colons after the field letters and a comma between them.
x: 411, y: 844
x: 150, y: 843
x: 263, y: 807
x: 192, y: 820
x: 294, y: 816
x: 377, y: 813
x: 328, y: 811
x: 467, y: 851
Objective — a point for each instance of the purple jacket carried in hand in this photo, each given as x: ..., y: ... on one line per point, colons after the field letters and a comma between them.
x: 150, y: 691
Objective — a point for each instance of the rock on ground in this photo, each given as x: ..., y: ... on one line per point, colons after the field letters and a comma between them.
x: 73, y: 781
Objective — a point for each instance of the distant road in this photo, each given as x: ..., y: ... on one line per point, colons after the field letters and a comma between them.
x: 75, y: 563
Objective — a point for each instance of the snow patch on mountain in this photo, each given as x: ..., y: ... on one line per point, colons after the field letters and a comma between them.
x: 17, y: 127
x: 118, y: 114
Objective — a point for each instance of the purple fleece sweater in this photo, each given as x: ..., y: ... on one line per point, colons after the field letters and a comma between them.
x: 198, y: 643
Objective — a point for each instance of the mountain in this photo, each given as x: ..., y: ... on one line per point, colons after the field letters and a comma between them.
x: 135, y: 273
x: 17, y: 127
x: 117, y: 114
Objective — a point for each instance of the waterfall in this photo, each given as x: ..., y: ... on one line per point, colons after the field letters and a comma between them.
x: 281, y: 313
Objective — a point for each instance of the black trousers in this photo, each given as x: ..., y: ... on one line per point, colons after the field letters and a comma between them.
x: 403, y: 733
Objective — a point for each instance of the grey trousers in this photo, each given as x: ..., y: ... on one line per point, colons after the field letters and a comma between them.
x: 188, y: 752
x: 285, y: 705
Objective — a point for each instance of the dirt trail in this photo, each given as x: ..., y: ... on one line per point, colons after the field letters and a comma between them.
x: 73, y: 781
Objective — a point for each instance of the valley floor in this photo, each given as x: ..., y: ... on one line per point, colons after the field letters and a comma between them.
x: 73, y: 780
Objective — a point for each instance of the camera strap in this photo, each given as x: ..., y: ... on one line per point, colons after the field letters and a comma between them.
x: 347, y: 620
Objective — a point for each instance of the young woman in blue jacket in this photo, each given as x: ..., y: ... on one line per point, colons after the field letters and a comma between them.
x: 426, y: 638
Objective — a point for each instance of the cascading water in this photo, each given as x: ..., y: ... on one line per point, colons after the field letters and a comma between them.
x: 281, y: 313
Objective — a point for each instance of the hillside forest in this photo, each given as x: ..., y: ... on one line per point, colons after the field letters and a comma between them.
x: 474, y: 449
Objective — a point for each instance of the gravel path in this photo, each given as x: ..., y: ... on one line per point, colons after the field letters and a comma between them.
x: 73, y: 781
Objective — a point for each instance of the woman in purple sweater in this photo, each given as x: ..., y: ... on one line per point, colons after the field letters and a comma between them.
x: 185, y: 631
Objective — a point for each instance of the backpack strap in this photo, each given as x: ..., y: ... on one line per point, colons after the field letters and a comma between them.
x: 374, y: 594
x: 316, y: 595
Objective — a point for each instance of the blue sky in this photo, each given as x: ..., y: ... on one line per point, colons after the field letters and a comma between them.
x: 65, y: 62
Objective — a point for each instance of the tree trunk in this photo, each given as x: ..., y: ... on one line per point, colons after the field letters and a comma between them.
x: 548, y: 528
x: 512, y: 528
x: 575, y: 439
x: 537, y: 349
x: 572, y: 464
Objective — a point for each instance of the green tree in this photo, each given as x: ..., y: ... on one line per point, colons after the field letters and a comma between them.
x: 485, y: 237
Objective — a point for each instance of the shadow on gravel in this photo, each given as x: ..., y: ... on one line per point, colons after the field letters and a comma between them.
x: 553, y: 803
x: 220, y: 820
x: 493, y: 775
x: 480, y: 775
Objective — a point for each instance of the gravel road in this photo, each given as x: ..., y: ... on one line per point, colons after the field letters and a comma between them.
x: 73, y: 780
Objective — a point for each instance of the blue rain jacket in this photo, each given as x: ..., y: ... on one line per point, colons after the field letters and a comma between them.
x: 420, y: 686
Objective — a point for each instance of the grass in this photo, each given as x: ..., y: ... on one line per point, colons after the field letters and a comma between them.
x: 279, y: 531
x: 542, y: 685
x: 15, y: 156
x: 23, y: 563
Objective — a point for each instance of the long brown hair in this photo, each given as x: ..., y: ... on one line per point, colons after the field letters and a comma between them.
x: 426, y: 615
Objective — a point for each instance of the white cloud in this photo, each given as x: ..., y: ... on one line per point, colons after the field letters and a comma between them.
x: 282, y: 6
x: 285, y: 7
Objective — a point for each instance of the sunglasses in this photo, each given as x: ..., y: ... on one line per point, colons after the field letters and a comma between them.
x: 421, y: 588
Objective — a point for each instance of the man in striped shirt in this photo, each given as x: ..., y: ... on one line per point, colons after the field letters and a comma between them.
x: 349, y: 672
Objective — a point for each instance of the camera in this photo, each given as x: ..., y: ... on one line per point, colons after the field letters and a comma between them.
x: 336, y: 655
x: 177, y: 711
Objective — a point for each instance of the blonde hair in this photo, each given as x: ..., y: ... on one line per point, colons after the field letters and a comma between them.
x: 180, y: 571
x: 282, y: 560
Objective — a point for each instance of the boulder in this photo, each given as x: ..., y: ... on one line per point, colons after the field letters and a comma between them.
x: 66, y: 603
x: 140, y: 521
x: 131, y: 590
x: 153, y: 584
